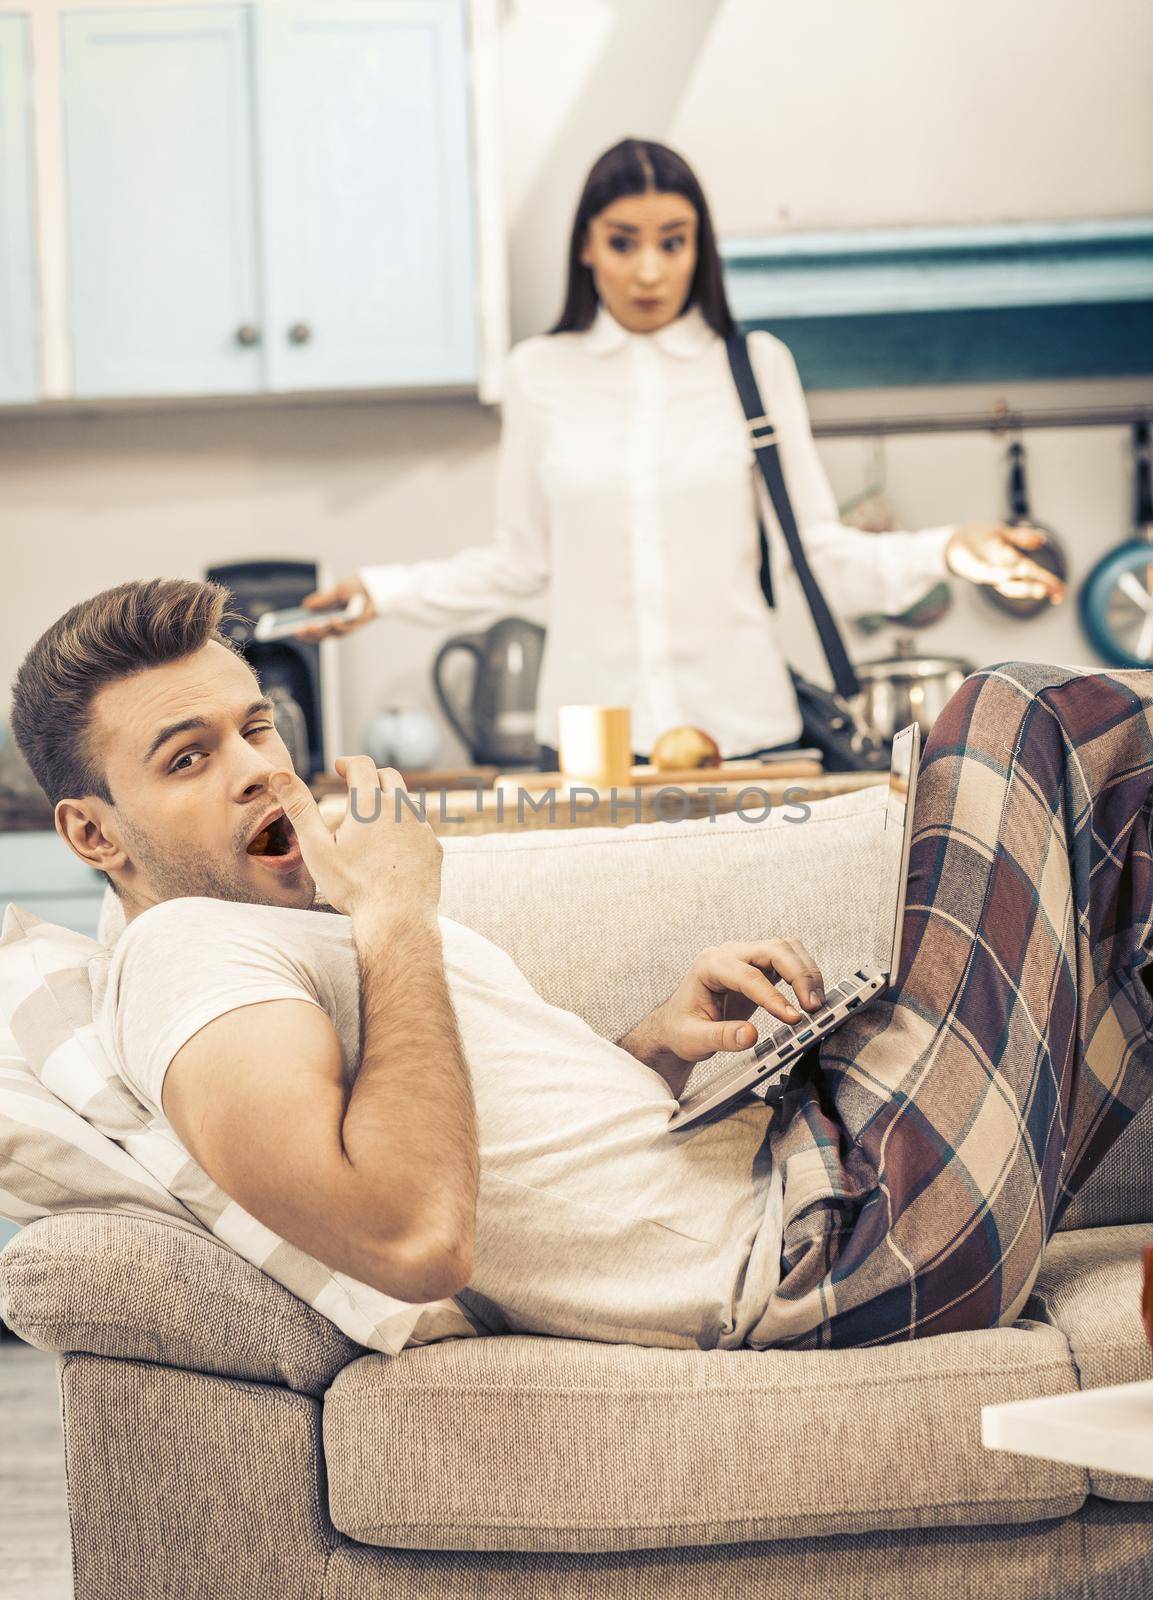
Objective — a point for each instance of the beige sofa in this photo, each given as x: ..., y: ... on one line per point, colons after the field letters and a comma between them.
x: 224, y: 1441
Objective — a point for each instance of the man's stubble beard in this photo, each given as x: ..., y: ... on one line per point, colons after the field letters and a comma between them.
x: 202, y: 876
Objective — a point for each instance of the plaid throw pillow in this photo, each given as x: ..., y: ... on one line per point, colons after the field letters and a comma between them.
x: 73, y: 1133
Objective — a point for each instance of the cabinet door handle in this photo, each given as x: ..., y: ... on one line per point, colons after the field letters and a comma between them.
x: 299, y: 333
x: 247, y: 334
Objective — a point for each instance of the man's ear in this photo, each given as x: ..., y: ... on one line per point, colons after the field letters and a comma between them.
x: 80, y: 824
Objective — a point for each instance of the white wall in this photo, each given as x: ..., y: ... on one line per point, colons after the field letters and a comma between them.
x: 887, y: 113
x: 834, y: 115
x: 87, y: 502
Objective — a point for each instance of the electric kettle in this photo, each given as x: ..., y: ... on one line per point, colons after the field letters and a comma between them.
x: 497, y: 722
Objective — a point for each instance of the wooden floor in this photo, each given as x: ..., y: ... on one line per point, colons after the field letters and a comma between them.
x: 35, y: 1560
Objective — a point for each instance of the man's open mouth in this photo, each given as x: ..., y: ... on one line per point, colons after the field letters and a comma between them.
x: 277, y: 839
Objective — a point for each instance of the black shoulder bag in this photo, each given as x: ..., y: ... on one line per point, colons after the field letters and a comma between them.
x: 831, y: 719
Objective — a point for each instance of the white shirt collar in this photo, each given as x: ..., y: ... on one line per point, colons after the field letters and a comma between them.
x: 686, y: 337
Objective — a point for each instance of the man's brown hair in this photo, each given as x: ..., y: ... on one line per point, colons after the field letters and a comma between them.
x: 114, y: 635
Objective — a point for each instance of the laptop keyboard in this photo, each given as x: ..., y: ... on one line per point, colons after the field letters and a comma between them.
x: 813, y: 1022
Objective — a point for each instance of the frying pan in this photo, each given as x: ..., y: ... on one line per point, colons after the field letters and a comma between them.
x: 1117, y: 596
x: 1049, y: 555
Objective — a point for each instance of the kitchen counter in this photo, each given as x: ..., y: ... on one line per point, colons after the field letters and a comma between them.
x: 432, y: 778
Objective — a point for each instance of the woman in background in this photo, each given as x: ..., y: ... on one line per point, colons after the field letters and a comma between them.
x: 627, y: 488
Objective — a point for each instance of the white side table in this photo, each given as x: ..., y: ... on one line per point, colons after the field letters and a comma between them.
x: 1110, y: 1430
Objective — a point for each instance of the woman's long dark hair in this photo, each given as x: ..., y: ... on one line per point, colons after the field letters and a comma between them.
x: 639, y: 166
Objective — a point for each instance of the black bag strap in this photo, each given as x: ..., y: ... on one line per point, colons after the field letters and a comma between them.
x: 766, y: 572
x: 762, y: 436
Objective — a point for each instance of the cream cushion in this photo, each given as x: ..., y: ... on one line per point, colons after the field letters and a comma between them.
x: 722, y: 1445
x: 1089, y: 1287
x: 152, y: 1288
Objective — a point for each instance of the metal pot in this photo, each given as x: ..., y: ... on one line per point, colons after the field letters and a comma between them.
x: 906, y: 688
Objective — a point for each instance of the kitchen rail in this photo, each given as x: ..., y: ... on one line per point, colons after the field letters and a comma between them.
x: 998, y: 419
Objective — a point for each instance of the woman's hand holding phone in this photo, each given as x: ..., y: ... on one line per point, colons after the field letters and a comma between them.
x: 338, y: 594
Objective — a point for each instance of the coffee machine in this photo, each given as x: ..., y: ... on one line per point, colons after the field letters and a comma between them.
x: 299, y: 678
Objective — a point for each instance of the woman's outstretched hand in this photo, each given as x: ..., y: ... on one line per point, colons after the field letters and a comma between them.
x: 339, y: 594
x: 994, y: 553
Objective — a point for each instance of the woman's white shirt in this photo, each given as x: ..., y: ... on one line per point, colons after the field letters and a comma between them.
x: 626, y: 487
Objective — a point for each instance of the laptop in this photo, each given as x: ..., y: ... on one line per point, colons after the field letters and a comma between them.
x: 783, y: 1042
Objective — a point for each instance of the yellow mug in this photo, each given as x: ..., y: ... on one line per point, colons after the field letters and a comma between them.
x: 594, y: 744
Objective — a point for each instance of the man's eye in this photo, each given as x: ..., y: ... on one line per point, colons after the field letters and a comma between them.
x: 259, y: 727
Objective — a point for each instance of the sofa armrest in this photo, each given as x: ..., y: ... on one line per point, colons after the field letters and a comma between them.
x: 153, y: 1289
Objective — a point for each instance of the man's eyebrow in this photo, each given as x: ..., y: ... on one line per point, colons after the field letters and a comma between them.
x: 173, y: 728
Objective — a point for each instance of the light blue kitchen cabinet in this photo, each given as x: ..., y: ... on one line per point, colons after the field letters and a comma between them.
x: 367, y: 194
x: 161, y: 201
x: 273, y: 196
x: 19, y: 378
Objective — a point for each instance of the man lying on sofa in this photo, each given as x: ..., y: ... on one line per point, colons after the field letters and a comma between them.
x: 384, y: 1089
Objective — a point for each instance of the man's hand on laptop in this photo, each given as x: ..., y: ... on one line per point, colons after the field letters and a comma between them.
x: 382, y: 854
x: 707, y: 1010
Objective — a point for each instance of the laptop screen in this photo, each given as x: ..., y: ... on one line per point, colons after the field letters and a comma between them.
x: 898, y: 821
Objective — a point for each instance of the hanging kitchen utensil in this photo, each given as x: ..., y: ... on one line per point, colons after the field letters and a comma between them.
x: 923, y: 613
x: 1049, y: 555
x: 869, y: 509
x: 1116, y: 600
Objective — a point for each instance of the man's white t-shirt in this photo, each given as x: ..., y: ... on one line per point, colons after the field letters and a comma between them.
x: 594, y: 1221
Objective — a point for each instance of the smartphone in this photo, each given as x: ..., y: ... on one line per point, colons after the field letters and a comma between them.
x: 282, y: 624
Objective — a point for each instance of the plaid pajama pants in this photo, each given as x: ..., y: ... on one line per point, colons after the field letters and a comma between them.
x: 929, y: 1146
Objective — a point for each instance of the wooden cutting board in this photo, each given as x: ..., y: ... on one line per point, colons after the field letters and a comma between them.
x: 323, y: 783
x: 729, y: 772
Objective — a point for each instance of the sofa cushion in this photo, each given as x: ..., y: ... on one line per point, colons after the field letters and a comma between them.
x: 1089, y: 1286
x: 155, y: 1289
x: 521, y: 1443
x: 605, y: 921
x: 1120, y: 1190
x: 577, y: 910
